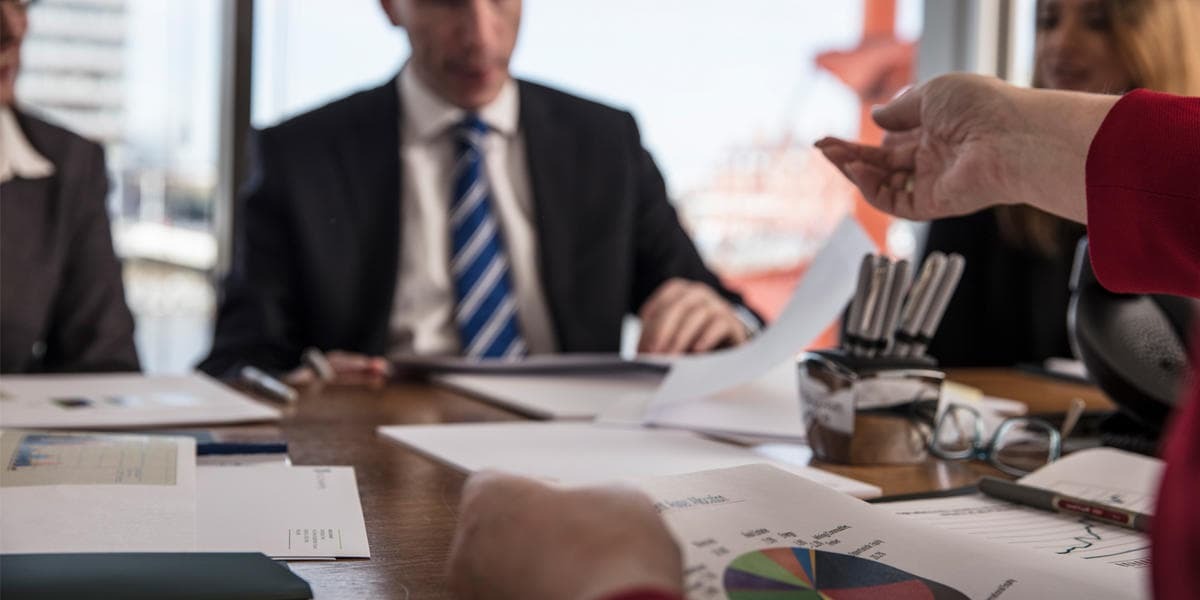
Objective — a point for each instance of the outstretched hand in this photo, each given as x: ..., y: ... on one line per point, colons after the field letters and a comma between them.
x: 960, y: 143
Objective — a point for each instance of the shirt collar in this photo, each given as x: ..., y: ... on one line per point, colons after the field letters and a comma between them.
x: 18, y: 158
x: 426, y: 115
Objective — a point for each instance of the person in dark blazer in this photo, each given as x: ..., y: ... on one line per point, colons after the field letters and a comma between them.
x: 457, y: 211
x: 62, y: 305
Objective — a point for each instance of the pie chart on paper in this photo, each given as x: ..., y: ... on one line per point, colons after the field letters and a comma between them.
x: 805, y: 574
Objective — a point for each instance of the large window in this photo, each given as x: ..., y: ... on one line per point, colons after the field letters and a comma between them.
x: 141, y: 76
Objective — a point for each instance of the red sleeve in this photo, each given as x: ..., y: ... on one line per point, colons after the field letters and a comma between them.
x: 1143, y: 195
x: 645, y: 594
x: 1175, y: 535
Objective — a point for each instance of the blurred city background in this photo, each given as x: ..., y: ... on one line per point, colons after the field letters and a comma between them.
x: 729, y: 96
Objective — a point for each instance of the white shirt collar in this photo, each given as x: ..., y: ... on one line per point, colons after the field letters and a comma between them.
x: 426, y: 115
x: 18, y: 158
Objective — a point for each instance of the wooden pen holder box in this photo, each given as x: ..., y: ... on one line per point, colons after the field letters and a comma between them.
x: 868, y: 411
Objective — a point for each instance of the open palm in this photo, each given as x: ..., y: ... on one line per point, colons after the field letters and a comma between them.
x: 951, y: 149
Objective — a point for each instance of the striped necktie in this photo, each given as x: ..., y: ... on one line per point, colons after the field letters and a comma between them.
x: 487, y: 311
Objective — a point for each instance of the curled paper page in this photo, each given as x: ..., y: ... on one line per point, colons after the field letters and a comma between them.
x: 819, y: 297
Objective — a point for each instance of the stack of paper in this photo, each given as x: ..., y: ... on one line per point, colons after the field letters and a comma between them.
x: 590, y: 453
x: 122, y: 400
x: 87, y: 492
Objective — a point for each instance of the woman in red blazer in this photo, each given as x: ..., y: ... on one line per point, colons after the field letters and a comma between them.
x: 1127, y: 167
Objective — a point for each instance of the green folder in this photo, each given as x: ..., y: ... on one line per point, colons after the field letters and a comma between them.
x: 149, y: 575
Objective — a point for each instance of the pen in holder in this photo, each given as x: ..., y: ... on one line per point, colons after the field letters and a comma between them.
x: 868, y: 410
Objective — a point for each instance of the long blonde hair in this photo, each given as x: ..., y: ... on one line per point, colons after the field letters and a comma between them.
x: 1159, y: 40
x: 1159, y: 43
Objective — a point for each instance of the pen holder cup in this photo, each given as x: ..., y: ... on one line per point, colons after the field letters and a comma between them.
x: 868, y: 411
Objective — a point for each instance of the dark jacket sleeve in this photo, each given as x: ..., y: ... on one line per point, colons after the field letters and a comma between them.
x: 664, y: 250
x: 257, y: 319
x: 91, y: 327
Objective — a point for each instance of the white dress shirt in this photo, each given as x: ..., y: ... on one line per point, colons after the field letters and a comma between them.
x: 422, y: 319
x: 18, y: 158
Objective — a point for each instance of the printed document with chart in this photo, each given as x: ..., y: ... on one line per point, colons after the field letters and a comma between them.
x: 756, y: 532
x: 91, y: 492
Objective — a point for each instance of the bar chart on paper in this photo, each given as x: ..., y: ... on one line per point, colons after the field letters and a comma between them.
x: 807, y: 574
x: 86, y: 459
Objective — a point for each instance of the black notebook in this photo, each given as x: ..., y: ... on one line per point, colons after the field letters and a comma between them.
x: 139, y: 575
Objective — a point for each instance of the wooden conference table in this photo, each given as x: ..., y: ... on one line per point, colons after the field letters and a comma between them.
x: 410, y: 502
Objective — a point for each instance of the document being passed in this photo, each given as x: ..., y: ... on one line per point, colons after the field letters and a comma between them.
x: 816, y: 302
x: 283, y: 512
x: 123, y: 400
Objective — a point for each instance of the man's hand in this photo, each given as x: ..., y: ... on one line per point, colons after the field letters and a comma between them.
x: 688, y: 316
x: 348, y: 369
x: 960, y: 143
x: 518, y: 538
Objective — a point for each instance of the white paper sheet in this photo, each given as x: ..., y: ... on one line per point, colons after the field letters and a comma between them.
x: 582, y: 396
x: 570, y: 363
x: 80, y: 492
x: 1105, y: 475
x: 757, y: 529
x: 1053, y: 536
x: 818, y: 299
x: 123, y: 400
x: 283, y: 512
x: 587, y: 453
x: 767, y: 408
x: 1101, y: 474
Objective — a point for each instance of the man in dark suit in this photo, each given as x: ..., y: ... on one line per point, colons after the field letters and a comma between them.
x: 455, y: 210
x: 62, y: 305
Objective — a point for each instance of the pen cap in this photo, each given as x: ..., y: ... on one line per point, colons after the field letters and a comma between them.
x: 864, y: 411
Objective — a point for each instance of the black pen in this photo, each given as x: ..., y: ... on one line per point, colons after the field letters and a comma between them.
x: 1049, y: 500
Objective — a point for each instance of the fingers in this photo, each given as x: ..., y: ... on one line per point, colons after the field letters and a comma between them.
x: 900, y: 152
x: 870, y: 179
x: 662, y: 314
x: 721, y: 332
x: 699, y: 319
x: 687, y: 316
x: 484, y: 484
x: 902, y: 113
x: 349, y: 368
x: 300, y: 376
x: 665, y: 296
x: 581, y: 543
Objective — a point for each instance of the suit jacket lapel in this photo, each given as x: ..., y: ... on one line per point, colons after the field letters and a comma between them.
x: 371, y: 160
x: 550, y: 155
